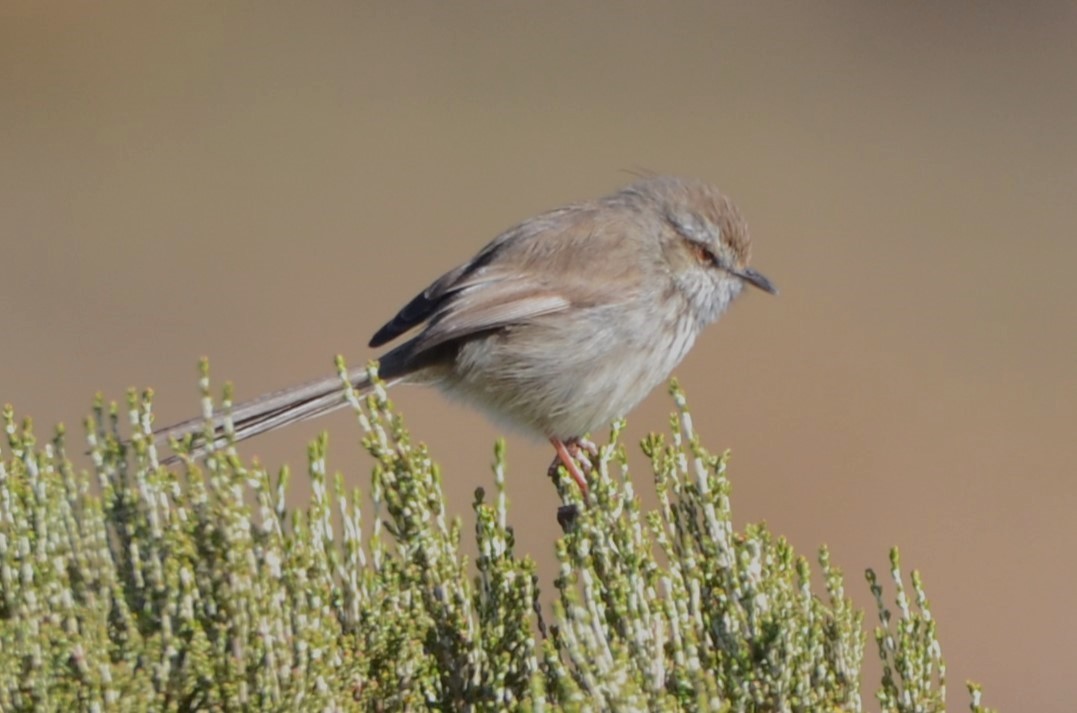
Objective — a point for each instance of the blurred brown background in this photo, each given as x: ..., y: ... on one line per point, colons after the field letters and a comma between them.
x: 266, y: 183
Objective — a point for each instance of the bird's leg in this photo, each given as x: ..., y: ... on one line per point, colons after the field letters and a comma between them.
x: 565, y: 454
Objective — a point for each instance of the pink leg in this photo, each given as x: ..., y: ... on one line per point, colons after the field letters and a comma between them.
x: 570, y: 464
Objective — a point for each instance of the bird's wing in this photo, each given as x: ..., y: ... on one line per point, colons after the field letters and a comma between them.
x: 469, y: 300
x: 487, y: 305
x: 478, y: 270
x: 527, y: 272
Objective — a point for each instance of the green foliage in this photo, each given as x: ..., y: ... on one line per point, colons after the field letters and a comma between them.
x: 140, y: 587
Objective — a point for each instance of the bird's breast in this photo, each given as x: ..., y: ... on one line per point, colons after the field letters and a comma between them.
x: 570, y: 373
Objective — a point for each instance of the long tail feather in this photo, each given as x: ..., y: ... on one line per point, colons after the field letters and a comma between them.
x: 267, y: 412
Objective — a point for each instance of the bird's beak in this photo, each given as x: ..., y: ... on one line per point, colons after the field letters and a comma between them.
x: 755, y: 278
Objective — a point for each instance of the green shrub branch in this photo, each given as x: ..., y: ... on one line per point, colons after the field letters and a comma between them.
x: 133, y: 586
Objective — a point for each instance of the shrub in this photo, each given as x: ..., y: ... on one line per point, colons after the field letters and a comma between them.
x: 135, y: 586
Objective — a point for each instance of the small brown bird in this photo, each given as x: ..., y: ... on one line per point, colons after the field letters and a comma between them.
x: 560, y: 324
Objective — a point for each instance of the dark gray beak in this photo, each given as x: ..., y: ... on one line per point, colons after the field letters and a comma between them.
x: 757, y: 279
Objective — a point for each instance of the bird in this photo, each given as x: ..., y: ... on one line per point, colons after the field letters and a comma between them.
x: 558, y: 326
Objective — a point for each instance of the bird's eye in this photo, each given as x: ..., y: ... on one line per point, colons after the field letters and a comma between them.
x: 702, y: 254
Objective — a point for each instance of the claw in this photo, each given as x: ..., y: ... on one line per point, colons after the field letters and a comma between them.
x: 587, y: 445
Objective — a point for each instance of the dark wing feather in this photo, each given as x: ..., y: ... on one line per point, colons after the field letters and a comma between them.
x: 420, y: 308
x: 427, y: 302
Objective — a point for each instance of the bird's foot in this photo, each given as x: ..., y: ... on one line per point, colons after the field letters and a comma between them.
x: 585, y: 444
x: 567, y: 455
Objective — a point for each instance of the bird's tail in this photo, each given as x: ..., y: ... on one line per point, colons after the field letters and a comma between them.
x: 267, y: 412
